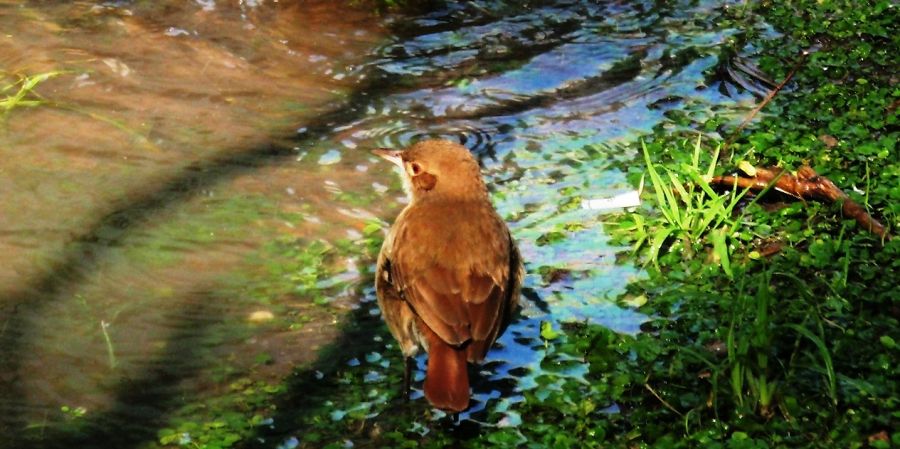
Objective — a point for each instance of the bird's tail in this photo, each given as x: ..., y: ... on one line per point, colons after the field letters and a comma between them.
x: 447, y: 377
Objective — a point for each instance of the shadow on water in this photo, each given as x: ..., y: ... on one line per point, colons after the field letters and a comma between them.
x: 333, y: 382
x: 311, y: 388
x: 87, y: 250
x: 111, y: 230
x: 141, y: 402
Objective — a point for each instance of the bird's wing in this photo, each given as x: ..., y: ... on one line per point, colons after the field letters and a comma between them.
x: 509, y: 302
x: 396, y: 312
x: 461, y: 298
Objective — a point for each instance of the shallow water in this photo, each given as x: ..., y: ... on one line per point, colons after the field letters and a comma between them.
x: 196, y: 201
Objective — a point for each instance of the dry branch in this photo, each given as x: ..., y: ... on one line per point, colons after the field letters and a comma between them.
x: 765, y: 101
x: 807, y: 184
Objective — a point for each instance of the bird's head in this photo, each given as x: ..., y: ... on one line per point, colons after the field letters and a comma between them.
x: 437, y: 168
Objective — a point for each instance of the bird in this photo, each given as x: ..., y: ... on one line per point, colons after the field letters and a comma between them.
x: 449, y: 274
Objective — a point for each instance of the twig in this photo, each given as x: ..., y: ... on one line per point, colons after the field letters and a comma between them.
x: 765, y: 101
x: 668, y: 406
x: 807, y: 184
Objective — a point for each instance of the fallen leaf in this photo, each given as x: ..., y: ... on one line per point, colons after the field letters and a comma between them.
x: 829, y: 141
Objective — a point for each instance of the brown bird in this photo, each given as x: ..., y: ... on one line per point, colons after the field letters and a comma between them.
x: 449, y: 273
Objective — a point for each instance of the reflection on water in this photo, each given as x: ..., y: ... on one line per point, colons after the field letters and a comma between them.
x: 133, y: 197
x: 197, y: 201
x: 140, y: 102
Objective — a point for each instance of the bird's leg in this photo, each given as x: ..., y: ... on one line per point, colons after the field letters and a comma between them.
x: 408, y: 363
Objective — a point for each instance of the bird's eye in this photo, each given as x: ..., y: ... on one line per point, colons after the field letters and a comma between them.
x: 414, y: 169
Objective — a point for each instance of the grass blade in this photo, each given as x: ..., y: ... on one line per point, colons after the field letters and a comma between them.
x: 657, y: 241
x: 826, y: 358
x: 720, y: 250
x: 672, y: 200
x: 676, y: 183
x: 657, y: 184
x: 695, y: 157
x: 711, y: 170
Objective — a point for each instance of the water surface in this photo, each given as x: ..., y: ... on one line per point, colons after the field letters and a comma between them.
x: 196, y: 204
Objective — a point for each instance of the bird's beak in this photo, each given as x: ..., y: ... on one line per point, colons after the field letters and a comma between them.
x: 392, y: 156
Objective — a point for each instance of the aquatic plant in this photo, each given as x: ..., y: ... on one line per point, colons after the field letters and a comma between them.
x: 20, y: 93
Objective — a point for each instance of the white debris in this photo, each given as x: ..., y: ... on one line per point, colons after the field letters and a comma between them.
x: 627, y: 199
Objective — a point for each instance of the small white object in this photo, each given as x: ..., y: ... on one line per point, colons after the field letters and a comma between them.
x: 330, y: 157
x: 627, y: 199
x: 117, y: 66
x: 175, y: 32
x: 260, y: 316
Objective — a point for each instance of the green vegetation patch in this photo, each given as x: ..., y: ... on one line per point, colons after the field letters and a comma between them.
x: 774, y: 326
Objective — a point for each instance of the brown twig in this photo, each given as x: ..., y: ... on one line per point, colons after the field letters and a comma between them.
x: 807, y: 184
x: 765, y: 101
x: 668, y: 406
x: 893, y: 106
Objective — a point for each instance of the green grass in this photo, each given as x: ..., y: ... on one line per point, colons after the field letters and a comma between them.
x: 20, y: 94
x: 779, y: 350
x: 692, y: 216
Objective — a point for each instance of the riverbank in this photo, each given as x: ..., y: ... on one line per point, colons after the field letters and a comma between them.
x: 776, y: 324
